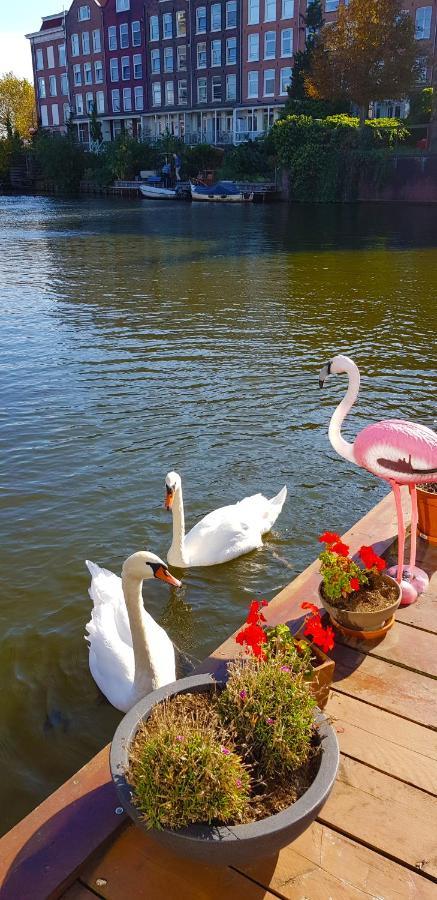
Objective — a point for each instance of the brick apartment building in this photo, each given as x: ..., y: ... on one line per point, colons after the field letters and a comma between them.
x: 205, y: 70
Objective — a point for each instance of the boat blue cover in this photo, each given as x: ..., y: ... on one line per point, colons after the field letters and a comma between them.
x: 220, y: 189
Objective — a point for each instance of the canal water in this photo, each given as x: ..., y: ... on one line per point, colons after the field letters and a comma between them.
x: 137, y: 338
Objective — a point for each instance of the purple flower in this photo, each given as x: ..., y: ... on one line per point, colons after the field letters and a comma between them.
x: 225, y: 751
x: 270, y: 721
x: 238, y: 783
x: 179, y: 737
x: 243, y: 695
x: 285, y: 669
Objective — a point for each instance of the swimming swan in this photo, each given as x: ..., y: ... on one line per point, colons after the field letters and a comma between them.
x: 129, y: 653
x: 222, y: 535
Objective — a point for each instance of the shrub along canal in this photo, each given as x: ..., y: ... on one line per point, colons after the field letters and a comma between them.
x: 138, y: 338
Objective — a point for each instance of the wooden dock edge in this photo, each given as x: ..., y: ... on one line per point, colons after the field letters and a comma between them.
x: 41, y: 856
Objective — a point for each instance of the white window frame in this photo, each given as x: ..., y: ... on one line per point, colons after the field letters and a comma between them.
x: 156, y: 93
x: 231, y: 11
x: 89, y: 102
x: 169, y: 93
x: 154, y: 28
x: 42, y: 94
x: 125, y: 68
x: 77, y: 75
x: 270, y: 45
x: 64, y: 84
x: 269, y: 10
x: 231, y: 95
x: 231, y: 47
x: 181, y: 23
x: 287, y: 9
x: 253, y: 76
x: 114, y: 73
x: 155, y: 56
x: 253, y: 12
x: 139, y: 92
x: 112, y: 37
x: 123, y: 30
x: 283, y: 88
x: 97, y: 40
x: 168, y: 55
x: 115, y: 100
x: 136, y: 33
x: 137, y: 61
x: 53, y: 87
x: 44, y: 116
x: 61, y: 56
x: 269, y: 75
x: 202, y: 90
x: 75, y: 45
x: 98, y: 69
x: 201, y: 56
x: 423, y: 22
x: 127, y: 99
x: 167, y: 26
x: 87, y: 71
x: 286, y: 37
x: 39, y: 59
x: 182, y: 92
x: 216, y: 17
x: 216, y: 52
x: 50, y: 57
x: 84, y: 13
x: 201, y: 20
x: 100, y: 102
x: 180, y: 57
x: 78, y: 103
x: 85, y: 43
x: 216, y: 81
x: 122, y: 5
x: 253, y: 46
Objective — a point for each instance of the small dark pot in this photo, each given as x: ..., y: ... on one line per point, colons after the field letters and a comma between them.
x: 363, y: 621
x: 224, y: 845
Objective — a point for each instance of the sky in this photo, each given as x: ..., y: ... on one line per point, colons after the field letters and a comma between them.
x: 16, y: 20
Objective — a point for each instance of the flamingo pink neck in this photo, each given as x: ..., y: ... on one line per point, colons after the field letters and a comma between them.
x: 344, y: 448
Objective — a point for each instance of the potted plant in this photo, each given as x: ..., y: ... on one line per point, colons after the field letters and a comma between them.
x: 225, y: 772
x: 358, y: 597
x: 303, y: 652
x: 427, y: 511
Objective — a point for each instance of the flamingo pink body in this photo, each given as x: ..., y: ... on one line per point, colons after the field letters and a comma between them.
x: 400, y: 452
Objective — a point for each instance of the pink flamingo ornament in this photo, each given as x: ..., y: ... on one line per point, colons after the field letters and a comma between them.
x: 399, y: 452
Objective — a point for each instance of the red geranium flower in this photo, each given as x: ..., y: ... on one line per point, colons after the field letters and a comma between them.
x: 329, y: 537
x: 254, y: 637
x: 311, y: 606
x: 328, y: 639
x: 354, y: 584
x: 370, y: 559
x: 254, y: 615
x: 340, y: 549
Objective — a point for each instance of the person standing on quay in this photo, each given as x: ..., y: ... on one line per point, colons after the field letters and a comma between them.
x: 177, y: 166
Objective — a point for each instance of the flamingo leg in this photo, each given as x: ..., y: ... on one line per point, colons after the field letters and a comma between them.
x: 414, y: 518
x: 401, y: 529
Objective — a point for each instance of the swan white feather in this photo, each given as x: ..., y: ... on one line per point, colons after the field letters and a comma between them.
x: 223, y: 534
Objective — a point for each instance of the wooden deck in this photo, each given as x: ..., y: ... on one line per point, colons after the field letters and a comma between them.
x: 376, y: 837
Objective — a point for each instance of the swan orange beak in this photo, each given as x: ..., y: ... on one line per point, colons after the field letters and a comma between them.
x: 163, y: 573
x: 169, y: 495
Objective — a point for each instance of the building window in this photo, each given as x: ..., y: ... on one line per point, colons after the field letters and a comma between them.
x: 201, y: 90
x: 87, y: 73
x: 285, y: 80
x: 79, y: 104
x: 113, y: 69
x: 231, y: 51
x: 39, y: 59
x: 138, y: 65
x: 122, y: 5
x: 423, y: 22
x: 77, y: 75
x: 124, y: 36
x: 154, y: 28
x: 216, y: 53
x: 201, y: 55
x: 125, y: 68
x: 116, y: 100
x: 97, y: 44
x: 216, y: 17
x: 181, y: 51
x: 269, y: 83
x: 136, y: 34
x: 231, y: 87
x: 52, y: 86
x: 168, y: 59
x: 100, y: 102
x: 155, y: 63
x: 252, y: 84
x: 139, y: 96
x: 253, y: 47
x: 64, y: 84
x: 182, y: 92
x: 82, y: 132
x: 84, y: 13
x: 75, y: 45
x: 181, y: 23
x: 231, y: 14
x: 127, y: 99
x: 200, y: 19
x: 422, y: 70
x: 287, y: 42
x: 270, y: 45
x: 50, y: 58
x: 216, y: 88
x: 156, y: 93
x: 269, y: 10
x: 98, y: 71
x: 44, y: 117
x: 41, y: 88
x: 287, y: 9
x: 169, y: 93
x: 61, y: 54
x: 167, y: 26
x: 89, y: 100
x: 66, y: 112
x: 253, y: 12
x: 112, y: 37
x: 85, y: 42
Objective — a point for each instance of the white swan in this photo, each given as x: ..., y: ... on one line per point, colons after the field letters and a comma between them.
x: 129, y: 653
x: 222, y: 535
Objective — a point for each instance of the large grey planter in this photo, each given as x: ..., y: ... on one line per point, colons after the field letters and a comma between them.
x: 363, y: 621
x: 225, y: 845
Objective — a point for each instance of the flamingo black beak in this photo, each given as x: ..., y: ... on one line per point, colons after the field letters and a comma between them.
x: 163, y: 573
x: 169, y: 495
x: 324, y: 372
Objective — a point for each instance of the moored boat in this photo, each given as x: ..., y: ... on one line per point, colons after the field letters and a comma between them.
x: 152, y: 191
x: 222, y: 192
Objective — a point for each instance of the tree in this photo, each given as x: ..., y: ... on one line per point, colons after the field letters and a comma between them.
x: 17, y: 104
x: 368, y: 54
x: 95, y: 125
x: 313, y: 21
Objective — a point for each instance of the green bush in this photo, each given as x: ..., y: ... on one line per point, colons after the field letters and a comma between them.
x: 271, y: 713
x: 249, y: 161
x: 59, y: 159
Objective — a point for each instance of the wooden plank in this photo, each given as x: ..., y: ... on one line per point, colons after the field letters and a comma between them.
x: 134, y: 865
x: 78, y: 891
x: 385, y: 685
x: 399, y: 748
x: 423, y: 613
x: 323, y: 864
x: 387, y: 815
x: 403, y: 645
x: 44, y: 851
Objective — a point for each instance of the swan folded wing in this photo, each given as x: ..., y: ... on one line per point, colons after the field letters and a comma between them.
x: 111, y: 659
x: 106, y: 590
x: 223, y: 535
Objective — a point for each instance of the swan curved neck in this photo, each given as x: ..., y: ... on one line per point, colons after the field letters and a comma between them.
x: 144, y: 669
x: 176, y: 552
x: 343, y: 447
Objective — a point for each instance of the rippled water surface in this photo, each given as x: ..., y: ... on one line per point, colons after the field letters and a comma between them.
x: 137, y: 338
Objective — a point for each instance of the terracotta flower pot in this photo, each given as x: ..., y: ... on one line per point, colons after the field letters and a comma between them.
x: 427, y: 509
x: 323, y: 673
x: 363, y: 621
x: 224, y: 844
